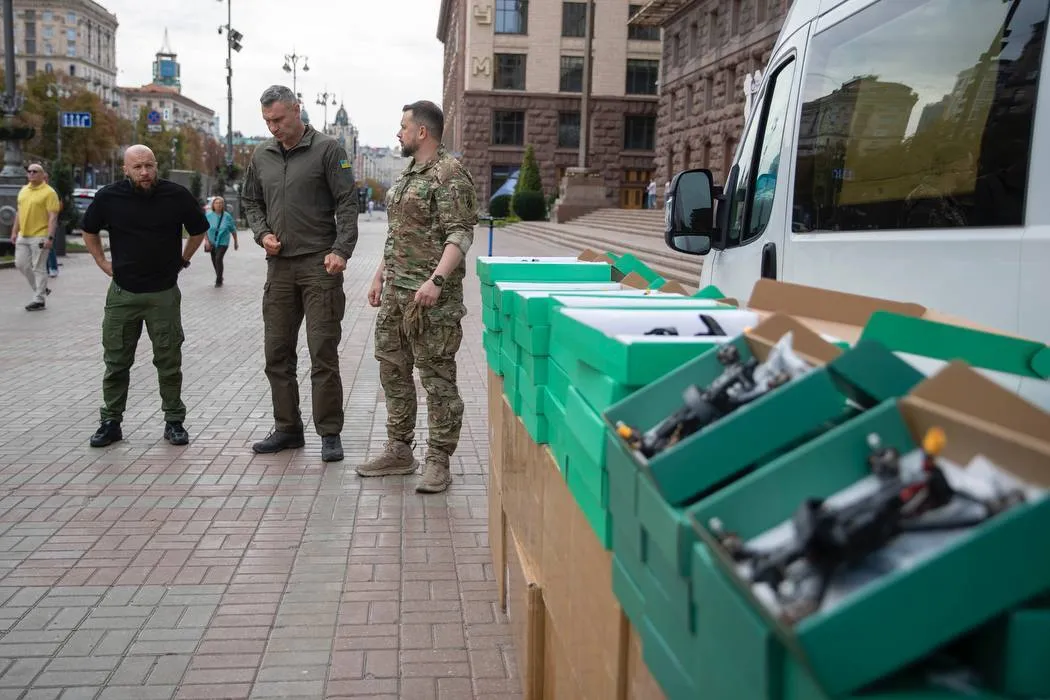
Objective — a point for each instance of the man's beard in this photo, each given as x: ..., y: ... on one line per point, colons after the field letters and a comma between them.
x: 143, y: 189
x: 408, y: 150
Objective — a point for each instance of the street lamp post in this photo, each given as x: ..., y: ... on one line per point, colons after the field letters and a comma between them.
x: 233, y: 43
x: 12, y: 101
x: 58, y: 92
x: 324, y: 99
x: 291, y: 65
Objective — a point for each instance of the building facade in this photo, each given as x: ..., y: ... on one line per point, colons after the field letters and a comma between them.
x: 713, y: 54
x: 164, y: 96
x: 345, y: 133
x: 514, y: 77
x: 382, y: 164
x: 75, y: 38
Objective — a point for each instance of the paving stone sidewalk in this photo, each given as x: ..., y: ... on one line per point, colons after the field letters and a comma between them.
x: 146, y: 571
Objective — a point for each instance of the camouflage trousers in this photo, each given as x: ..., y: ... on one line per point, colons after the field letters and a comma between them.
x: 428, y: 339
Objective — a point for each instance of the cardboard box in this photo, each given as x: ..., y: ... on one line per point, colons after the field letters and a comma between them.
x: 578, y: 592
x: 640, y: 682
x: 497, y: 523
x: 527, y: 617
x: 879, y: 629
x: 523, y: 488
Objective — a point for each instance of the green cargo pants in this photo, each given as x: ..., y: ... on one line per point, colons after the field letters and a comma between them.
x: 296, y: 287
x: 428, y: 343
x: 121, y: 329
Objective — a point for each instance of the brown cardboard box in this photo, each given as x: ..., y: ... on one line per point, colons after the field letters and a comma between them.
x: 559, y: 683
x: 527, y: 618
x: 522, y: 490
x: 497, y: 532
x: 577, y: 583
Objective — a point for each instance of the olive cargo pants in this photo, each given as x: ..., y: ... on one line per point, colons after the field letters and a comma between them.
x: 296, y: 287
x: 431, y: 347
x: 121, y: 329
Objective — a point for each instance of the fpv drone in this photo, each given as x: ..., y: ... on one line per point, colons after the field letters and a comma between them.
x: 828, y: 540
x: 741, y: 382
x: 710, y: 324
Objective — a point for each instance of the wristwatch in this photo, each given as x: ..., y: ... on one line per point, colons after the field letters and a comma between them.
x: 438, y: 280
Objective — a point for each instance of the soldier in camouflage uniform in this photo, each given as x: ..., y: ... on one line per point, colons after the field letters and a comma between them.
x: 432, y: 211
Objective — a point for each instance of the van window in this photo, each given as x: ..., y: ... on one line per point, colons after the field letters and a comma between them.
x: 919, y: 114
x: 760, y: 159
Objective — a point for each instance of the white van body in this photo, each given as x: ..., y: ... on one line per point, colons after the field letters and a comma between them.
x: 851, y: 82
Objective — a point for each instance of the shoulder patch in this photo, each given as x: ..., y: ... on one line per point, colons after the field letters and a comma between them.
x: 344, y: 164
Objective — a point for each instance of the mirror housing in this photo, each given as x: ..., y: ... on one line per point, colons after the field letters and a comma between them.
x: 689, y: 212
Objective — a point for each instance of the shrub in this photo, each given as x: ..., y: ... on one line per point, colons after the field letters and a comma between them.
x: 500, y: 206
x: 530, y: 206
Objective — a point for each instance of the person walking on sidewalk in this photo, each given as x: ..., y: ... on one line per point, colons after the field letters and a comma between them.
x: 145, y: 217
x: 221, y: 228
x: 432, y: 210
x: 33, y: 232
x: 301, y: 204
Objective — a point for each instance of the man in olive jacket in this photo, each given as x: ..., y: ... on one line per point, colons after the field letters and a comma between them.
x: 301, y: 204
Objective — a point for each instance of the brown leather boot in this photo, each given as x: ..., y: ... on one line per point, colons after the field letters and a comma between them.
x: 436, y: 474
x: 396, y: 458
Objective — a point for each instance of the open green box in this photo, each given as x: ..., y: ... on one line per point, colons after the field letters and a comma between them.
x: 1012, y: 653
x: 839, y: 385
x: 905, y: 614
x: 491, y: 319
x: 586, y: 425
x: 613, y: 341
x: 628, y: 263
x: 507, y: 295
x: 599, y: 389
x: 541, y: 269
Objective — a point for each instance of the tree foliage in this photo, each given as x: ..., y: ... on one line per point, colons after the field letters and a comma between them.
x: 528, y: 201
x: 98, y: 144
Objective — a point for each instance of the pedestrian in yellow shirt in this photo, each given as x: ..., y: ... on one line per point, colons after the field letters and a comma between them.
x: 34, y: 232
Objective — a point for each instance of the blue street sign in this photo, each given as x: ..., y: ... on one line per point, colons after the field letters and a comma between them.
x: 76, y: 120
x: 153, y: 117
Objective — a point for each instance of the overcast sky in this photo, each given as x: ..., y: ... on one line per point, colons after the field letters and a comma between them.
x: 375, y: 55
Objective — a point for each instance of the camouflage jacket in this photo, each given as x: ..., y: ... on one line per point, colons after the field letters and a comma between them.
x: 431, y: 205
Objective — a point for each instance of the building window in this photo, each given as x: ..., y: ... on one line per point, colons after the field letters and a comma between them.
x: 712, y: 28
x: 30, y: 69
x: 642, y: 76
x: 30, y: 14
x: 508, y: 128
x: 571, y: 74
x: 892, y: 139
x: 640, y: 33
x: 574, y: 19
x: 676, y: 48
x: 736, y: 25
x: 499, y: 177
x: 30, y: 30
x: 72, y: 70
x: 639, y: 133
x: 512, y: 16
x: 71, y: 34
x: 71, y: 50
x: 761, y: 10
x: 48, y: 33
x: 709, y: 92
x: 48, y: 68
x: 694, y: 39
x: 48, y: 49
x: 47, y: 16
x: 510, y: 72
x: 71, y: 18
x: 30, y: 45
x: 568, y: 130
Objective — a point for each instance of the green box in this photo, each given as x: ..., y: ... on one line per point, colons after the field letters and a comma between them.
x: 533, y: 302
x: 533, y: 339
x: 541, y: 269
x: 908, y: 613
x: 491, y: 319
x: 613, y: 341
x: 623, y: 488
x: 626, y: 590
x: 586, y: 426
x: 506, y: 293
x: 536, y: 425
x: 507, y: 344
x: 628, y: 263
x: 668, y: 599
x: 532, y: 396
x: 599, y: 390
x: 488, y: 295
x: 535, y: 305
x: 1012, y: 653
x: 557, y: 381
x: 667, y: 670
x: 536, y: 367
x: 748, y: 437
x: 584, y: 471
x: 562, y: 356
x: 494, y: 358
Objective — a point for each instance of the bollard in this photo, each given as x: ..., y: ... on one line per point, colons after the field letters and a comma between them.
x: 492, y: 222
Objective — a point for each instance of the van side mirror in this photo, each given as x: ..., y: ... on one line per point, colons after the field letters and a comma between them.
x: 689, y: 212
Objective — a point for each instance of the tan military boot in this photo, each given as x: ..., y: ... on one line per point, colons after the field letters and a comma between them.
x: 436, y: 474
x: 397, y: 458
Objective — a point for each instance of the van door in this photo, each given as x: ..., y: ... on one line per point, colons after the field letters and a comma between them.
x: 758, y: 205
x: 911, y: 171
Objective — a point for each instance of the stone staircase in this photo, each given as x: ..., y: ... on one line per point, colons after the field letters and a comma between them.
x: 636, y: 231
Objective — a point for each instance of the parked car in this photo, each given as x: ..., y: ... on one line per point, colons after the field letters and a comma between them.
x: 82, y: 198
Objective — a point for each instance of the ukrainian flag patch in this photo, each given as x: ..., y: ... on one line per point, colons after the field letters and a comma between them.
x: 344, y: 164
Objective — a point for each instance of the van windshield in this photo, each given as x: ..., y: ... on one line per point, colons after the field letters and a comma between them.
x: 919, y: 114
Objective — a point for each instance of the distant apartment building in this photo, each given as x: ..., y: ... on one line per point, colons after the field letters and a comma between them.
x: 74, y: 38
x: 382, y: 164
x: 712, y: 50
x: 514, y: 77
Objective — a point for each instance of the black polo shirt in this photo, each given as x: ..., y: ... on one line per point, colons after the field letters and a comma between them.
x: 145, y: 232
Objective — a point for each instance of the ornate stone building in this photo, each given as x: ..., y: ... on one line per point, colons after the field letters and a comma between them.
x: 514, y: 75
x: 712, y: 50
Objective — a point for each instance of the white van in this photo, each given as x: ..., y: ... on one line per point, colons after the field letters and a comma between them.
x: 899, y: 149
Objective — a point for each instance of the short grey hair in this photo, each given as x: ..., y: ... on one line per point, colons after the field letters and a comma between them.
x: 278, y: 93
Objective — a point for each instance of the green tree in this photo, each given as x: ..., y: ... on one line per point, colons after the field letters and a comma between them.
x: 196, y: 185
x: 528, y: 202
